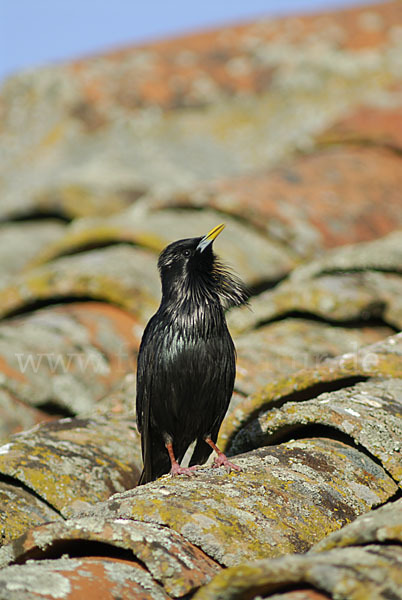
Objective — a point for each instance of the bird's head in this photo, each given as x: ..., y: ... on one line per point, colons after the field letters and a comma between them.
x: 190, y: 270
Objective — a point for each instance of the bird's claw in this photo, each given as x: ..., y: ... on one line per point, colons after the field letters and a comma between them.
x: 222, y: 461
x: 178, y: 470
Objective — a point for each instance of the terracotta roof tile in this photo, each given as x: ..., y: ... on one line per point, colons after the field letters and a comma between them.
x: 178, y: 565
x: 369, y: 570
x: 194, y: 69
x: 274, y: 491
x: 330, y: 197
x: 66, y: 357
x: 74, y: 579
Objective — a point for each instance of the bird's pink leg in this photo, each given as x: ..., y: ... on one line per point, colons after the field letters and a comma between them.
x: 176, y: 469
x: 221, y: 459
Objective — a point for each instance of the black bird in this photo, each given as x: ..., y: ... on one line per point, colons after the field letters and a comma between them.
x: 186, y: 362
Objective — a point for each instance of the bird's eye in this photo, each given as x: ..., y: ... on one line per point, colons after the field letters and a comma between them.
x: 186, y: 253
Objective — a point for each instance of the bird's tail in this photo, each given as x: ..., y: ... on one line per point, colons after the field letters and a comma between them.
x: 145, y: 476
x: 156, y: 458
x: 156, y: 462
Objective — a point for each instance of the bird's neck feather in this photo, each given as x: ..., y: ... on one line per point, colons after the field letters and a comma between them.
x: 194, y: 305
x: 191, y: 289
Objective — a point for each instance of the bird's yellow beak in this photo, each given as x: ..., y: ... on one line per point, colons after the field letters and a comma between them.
x: 209, y: 238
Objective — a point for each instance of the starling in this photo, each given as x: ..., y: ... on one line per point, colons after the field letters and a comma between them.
x: 186, y: 363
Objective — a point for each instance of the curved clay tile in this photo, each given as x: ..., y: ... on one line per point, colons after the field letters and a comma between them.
x: 379, y: 360
x: 348, y: 564
x: 371, y: 572
x: 72, y: 462
x: 73, y: 579
x: 253, y: 255
x: 21, y: 510
x: 382, y: 525
x: 164, y: 117
x: 119, y: 275
x: 16, y: 416
x: 179, y: 566
x: 166, y: 72
x: 284, y: 347
x: 370, y: 413
x: 359, y: 282
x: 286, y: 498
x: 120, y: 402
x: 374, y: 125
x: 297, y: 204
x: 19, y: 242
x: 64, y: 358
x: 301, y: 594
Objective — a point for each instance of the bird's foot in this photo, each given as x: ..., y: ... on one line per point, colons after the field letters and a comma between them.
x: 222, y: 461
x: 178, y: 470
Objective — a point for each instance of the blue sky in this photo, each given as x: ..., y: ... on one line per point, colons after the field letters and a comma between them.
x: 35, y: 32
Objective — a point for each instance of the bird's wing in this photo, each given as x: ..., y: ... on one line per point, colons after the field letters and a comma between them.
x: 143, y: 403
x: 145, y: 364
x: 155, y: 458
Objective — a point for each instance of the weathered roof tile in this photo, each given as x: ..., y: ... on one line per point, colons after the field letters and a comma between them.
x: 370, y: 413
x: 118, y: 274
x: 322, y: 199
x: 167, y: 116
x: 21, y: 510
x: 382, y: 525
x: 371, y: 572
x: 268, y: 508
x: 16, y: 415
x: 282, y: 347
x: 349, y: 283
x: 72, y: 461
x: 64, y: 357
x: 178, y: 565
x: 72, y: 579
x: 346, y: 565
x: 256, y: 257
x: 379, y: 360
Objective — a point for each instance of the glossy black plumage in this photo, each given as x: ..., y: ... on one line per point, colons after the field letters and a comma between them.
x: 186, y: 363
